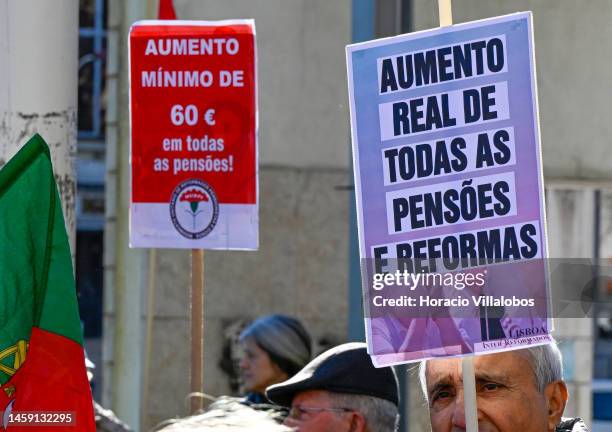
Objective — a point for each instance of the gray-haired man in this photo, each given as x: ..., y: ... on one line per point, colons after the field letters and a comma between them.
x: 520, y: 390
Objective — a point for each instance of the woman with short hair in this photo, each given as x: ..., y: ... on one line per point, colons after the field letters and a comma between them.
x: 275, y: 347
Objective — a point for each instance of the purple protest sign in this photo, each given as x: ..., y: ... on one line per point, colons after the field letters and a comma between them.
x: 449, y: 191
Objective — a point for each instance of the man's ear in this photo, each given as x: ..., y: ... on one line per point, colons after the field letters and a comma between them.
x: 358, y: 422
x: 556, y: 397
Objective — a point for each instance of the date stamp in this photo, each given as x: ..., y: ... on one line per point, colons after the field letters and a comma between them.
x: 40, y: 418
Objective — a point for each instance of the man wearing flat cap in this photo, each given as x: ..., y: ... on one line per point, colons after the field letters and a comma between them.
x: 340, y: 391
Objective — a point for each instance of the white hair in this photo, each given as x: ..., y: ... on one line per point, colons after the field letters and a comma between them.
x: 546, y: 364
x: 230, y: 415
x: 380, y: 415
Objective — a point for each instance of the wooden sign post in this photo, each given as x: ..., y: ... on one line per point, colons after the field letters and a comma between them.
x: 193, y: 154
x: 197, y: 328
x: 445, y: 12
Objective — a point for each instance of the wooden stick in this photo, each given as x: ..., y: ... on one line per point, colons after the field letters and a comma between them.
x: 197, y: 328
x: 445, y: 11
x: 469, y: 393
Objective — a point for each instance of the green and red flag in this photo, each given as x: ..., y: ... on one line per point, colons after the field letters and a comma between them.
x: 43, y: 380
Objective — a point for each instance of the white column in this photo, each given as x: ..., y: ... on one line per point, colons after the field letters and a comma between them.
x: 125, y: 269
x: 38, y: 86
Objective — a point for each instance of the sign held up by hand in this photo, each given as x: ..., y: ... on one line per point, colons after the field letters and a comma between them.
x: 449, y: 190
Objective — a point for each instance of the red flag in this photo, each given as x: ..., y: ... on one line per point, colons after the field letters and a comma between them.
x: 166, y: 10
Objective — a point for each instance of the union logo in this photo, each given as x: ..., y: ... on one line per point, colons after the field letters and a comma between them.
x: 194, y: 209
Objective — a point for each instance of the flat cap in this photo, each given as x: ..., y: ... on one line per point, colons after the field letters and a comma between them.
x: 346, y: 368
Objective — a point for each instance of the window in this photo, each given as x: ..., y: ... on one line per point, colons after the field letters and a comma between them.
x: 92, y: 61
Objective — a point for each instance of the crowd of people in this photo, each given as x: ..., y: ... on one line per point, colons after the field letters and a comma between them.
x: 341, y: 391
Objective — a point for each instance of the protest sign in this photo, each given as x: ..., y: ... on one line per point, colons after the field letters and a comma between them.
x: 449, y: 191
x: 194, y: 135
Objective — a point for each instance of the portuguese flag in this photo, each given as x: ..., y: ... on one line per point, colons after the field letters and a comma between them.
x: 43, y: 380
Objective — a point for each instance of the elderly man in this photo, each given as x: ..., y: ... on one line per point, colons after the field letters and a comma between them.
x: 520, y: 390
x: 340, y: 391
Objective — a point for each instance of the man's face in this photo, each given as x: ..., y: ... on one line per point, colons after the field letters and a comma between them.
x: 507, y: 397
x: 310, y: 413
